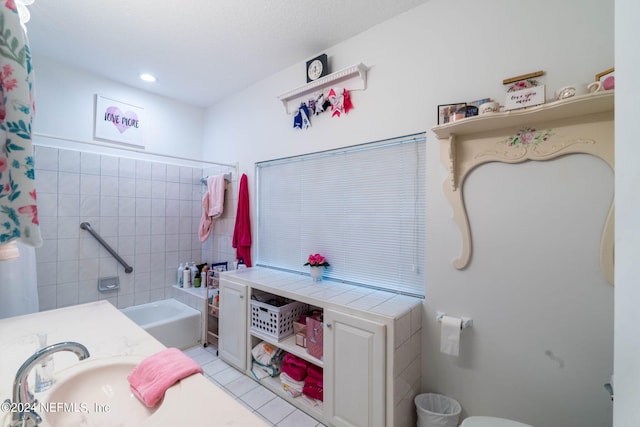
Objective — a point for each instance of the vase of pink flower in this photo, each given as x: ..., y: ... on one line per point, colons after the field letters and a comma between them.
x: 316, y: 263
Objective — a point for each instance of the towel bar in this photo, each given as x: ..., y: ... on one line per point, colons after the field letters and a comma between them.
x: 227, y: 177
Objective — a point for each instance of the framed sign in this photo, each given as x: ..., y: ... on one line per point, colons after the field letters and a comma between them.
x: 528, y: 97
x: 118, y: 121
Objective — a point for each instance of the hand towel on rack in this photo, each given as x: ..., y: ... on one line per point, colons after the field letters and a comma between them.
x: 212, y: 205
x: 242, y: 231
x: 155, y: 374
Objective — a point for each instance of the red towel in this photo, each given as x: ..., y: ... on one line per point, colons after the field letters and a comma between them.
x: 314, y: 371
x: 242, y: 231
x: 155, y: 374
x: 313, y: 387
x: 295, y: 367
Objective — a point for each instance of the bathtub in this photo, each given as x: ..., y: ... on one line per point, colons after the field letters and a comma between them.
x: 171, y: 322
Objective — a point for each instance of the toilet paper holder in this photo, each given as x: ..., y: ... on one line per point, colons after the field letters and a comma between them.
x: 466, y: 322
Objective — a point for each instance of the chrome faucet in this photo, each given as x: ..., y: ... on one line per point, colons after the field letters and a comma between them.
x: 21, y: 397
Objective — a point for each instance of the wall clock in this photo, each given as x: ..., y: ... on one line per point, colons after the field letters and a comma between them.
x: 317, y: 67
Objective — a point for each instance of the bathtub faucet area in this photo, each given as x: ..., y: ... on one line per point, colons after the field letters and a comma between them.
x: 21, y: 396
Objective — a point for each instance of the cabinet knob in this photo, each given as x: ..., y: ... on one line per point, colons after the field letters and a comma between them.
x: 241, y: 296
x: 329, y: 325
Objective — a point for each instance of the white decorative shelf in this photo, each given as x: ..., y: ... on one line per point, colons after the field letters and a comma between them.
x: 572, y: 107
x: 582, y: 124
x: 358, y: 71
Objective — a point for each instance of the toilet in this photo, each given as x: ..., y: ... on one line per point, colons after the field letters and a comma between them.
x: 491, y: 422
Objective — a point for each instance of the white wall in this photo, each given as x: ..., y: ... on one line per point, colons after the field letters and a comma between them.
x: 541, y: 347
x: 627, y: 315
x: 65, y: 104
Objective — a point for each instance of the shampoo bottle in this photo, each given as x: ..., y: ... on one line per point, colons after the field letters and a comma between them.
x: 180, y: 274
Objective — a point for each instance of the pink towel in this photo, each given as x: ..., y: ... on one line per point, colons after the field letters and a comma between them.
x: 212, y: 205
x: 155, y: 374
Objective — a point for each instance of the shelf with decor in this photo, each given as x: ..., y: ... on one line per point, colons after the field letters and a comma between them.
x: 572, y: 107
x: 357, y: 72
x: 581, y: 124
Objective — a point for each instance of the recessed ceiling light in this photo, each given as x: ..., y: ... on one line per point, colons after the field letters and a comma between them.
x: 147, y: 77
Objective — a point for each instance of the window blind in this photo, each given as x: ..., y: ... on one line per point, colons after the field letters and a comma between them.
x: 362, y: 207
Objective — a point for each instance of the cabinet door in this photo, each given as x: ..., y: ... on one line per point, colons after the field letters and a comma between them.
x: 232, y: 324
x: 354, y: 376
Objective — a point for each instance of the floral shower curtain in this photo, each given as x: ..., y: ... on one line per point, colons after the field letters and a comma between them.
x: 18, y: 210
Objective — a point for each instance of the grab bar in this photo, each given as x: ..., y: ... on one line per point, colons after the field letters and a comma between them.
x: 87, y: 226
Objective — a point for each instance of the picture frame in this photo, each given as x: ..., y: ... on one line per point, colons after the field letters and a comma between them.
x: 606, y: 78
x: 118, y: 121
x: 446, y: 112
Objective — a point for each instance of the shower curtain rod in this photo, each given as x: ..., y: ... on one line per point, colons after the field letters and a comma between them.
x: 135, y: 150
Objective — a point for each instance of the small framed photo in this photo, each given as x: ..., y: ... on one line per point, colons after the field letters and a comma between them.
x: 447, y: 112
x: 607, y: 79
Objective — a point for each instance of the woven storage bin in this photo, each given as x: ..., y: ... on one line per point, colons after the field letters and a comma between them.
x: 275, y: 322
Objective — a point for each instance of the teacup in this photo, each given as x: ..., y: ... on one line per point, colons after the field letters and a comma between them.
x: 489, y: 107
x: 597, y: 85
x: 571, y: 90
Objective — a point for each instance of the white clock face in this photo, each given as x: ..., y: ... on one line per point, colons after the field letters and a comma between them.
x: 315, y: 69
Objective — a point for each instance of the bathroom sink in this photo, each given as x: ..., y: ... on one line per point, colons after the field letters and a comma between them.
x: 95, y: 393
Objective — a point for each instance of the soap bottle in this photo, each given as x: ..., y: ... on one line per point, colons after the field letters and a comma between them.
x: 194, y: 272
x: 180, y: 274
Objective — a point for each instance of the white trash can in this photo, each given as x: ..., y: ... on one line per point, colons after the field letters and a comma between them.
x: 437, y: 410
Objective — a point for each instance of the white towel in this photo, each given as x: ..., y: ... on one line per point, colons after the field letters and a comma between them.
x: 293, y: 387
x: 212, y: 205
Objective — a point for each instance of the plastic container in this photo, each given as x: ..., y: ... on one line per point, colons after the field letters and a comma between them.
x: 437, y: 410
x: 186, y: 281
x: 275, y: 322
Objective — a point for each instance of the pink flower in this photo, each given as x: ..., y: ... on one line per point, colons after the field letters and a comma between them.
x: 10, y: 4
x: 317, y: 260
x: 6, y: 82
x: 30, y: 210
x: 527, y: 137
x: 3, y: 164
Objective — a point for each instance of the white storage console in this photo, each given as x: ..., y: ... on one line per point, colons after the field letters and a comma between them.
x: 370, y: 342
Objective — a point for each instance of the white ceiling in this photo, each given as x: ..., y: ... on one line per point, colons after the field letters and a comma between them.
x: 200, y: 50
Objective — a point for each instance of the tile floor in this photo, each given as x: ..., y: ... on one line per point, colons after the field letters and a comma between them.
x: 263, y: 402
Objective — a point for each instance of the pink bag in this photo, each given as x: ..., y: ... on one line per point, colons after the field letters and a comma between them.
x: 314, y: 337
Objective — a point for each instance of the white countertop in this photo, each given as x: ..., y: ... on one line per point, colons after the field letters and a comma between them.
x: 106, y: 332
x: 325, y: 293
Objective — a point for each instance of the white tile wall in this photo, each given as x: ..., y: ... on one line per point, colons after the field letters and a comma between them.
x: 149, y: 211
